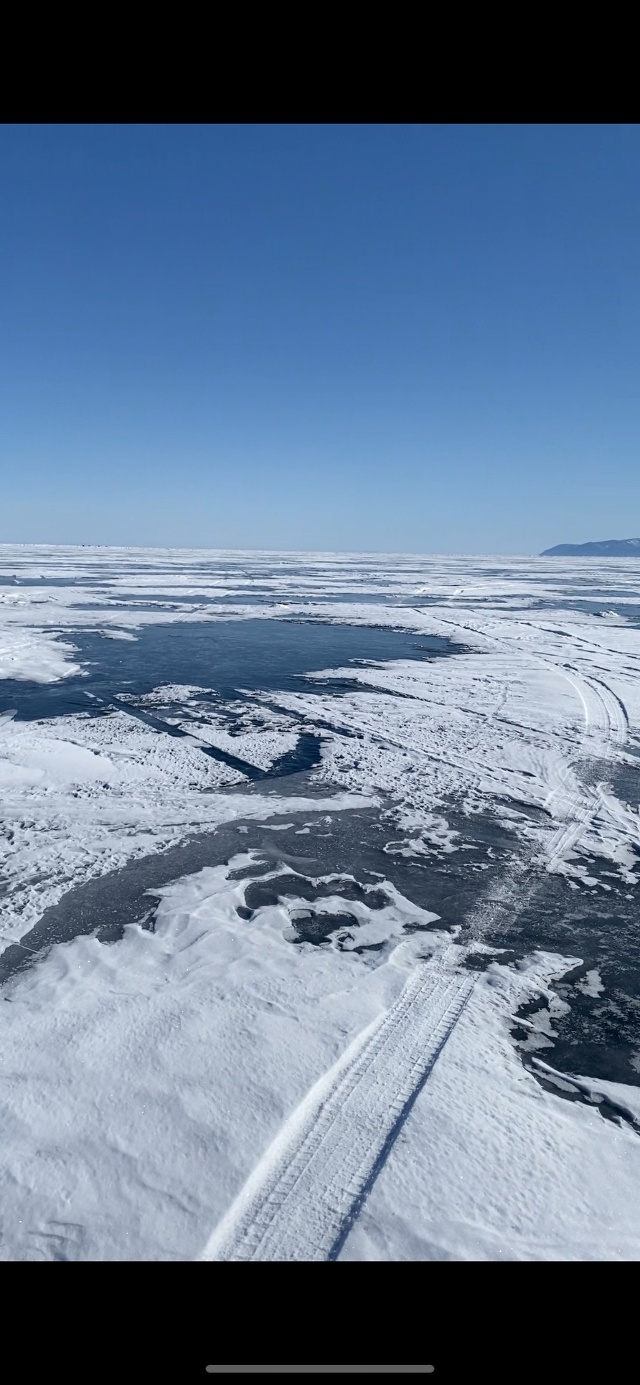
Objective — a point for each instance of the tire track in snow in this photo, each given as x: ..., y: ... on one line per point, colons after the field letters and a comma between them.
x: 602, y: 709
x: 567, y: 837
x: 606, y: 719
x: 604, y: 713
x: 616, y: 712
x: 302, y: 1198
x: 606, y: 723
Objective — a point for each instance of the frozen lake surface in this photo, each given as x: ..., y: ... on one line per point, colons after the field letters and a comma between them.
x: 320, y: 906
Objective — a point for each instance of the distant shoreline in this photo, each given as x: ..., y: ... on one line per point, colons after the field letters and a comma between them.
x: 604, y: 548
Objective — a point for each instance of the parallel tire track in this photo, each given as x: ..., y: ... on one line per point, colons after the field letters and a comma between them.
x: 615, y: 710
x: 300, y: 1201
x: 606, y: 726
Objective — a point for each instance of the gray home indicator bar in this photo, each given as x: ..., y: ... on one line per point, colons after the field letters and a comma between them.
x: 319, y: 1370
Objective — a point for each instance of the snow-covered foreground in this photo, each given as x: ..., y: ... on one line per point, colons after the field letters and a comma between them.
x: 309, y: 1063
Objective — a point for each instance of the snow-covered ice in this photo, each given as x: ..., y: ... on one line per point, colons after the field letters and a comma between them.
x: 165, y: 1094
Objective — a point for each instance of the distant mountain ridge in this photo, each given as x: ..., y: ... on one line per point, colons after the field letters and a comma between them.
x: 605, y: 548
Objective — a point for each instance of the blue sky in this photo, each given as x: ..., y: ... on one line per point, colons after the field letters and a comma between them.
x: 403, y: 337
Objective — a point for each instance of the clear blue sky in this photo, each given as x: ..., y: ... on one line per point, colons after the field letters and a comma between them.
x: 405, y: 337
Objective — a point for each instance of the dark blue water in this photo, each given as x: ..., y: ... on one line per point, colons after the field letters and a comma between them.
x: 222, y: 656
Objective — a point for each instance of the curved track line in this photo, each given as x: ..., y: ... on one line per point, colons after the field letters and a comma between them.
x: 615, y: 709
x: 302, y: 1198
x: 606, y: 718
x: 604, y: 712
x: 606, y: 723
x: 602, y: 707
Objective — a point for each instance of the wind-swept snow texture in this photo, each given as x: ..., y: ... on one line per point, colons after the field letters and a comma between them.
x: 304, y: 1195
x: 308, y: 1048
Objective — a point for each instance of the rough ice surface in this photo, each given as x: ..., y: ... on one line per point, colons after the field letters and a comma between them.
x: 427, y: 1049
